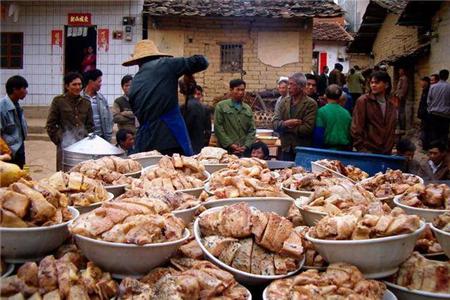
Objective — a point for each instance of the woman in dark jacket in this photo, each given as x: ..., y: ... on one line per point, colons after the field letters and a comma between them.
x: 422, y: 113
x: 195, y: 114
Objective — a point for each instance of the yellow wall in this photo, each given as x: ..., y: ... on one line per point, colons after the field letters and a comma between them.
x: 203, y: 36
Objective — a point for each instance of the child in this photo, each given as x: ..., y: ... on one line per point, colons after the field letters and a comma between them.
x: 406, y: 148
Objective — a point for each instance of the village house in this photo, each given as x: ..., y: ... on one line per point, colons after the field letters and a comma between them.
x: 387, y: 43
x: 43, y: 40
x: 258, y: 41
x: 410, y: 34
x: 330, y: 42
x: 432, y: 19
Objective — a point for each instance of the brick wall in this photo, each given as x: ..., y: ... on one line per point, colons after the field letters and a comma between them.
x: 439, y: 57
x: 360, y: 59
x: 393, y: 39
x: 203, y: 36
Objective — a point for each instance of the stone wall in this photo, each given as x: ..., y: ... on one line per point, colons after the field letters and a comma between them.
x: 360, y: 59
x: 439, y: 57
x: 205, y: 35
x: 393, y: 39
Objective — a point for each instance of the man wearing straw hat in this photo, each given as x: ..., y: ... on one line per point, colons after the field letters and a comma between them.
x: 154, y: 98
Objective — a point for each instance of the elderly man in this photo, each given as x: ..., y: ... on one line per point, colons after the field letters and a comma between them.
x: 154, y: 98
x: 295, y: 116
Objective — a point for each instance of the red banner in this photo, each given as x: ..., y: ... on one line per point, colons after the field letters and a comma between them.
x: 57, y: 37
x: 103, y: 39
x: 79, y: 19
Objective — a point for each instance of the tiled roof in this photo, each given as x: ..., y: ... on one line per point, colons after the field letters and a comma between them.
x: 373, y: 18
x: 395, y: 6
x: 243, y: 8
x: 408, y: 55
x: 419, y: 13
x: 330, y: 32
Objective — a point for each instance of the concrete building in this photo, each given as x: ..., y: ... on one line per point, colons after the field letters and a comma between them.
x: 256, y: 40
x: 42, y: 40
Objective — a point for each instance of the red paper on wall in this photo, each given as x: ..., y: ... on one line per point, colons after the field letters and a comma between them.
x: 57, y: 37
x: 103, y: 39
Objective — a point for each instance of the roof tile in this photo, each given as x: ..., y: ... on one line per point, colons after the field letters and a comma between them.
x: 248, y: 8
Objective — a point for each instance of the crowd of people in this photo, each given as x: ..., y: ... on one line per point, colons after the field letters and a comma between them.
x: 335, y: 111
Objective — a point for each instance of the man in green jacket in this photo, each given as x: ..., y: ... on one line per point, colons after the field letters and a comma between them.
x: 234, y: 126
x: 294, y: 118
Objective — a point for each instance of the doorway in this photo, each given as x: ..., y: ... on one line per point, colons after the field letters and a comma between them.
x: 80, y: 53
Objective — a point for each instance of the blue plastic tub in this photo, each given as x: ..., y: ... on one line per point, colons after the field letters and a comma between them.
x: 370, y: 163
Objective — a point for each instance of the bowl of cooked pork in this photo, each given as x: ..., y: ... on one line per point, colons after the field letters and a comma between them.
x: 420, y: 278
x: 385, y: 186
x: 176, y: 173
x: 426, y: 201
x: 34, y: 221
x: 376, y: 242
x: 215, y: 159
x: 277, y: 205
x: 338, y: 281
x: 255, y: 246
x: 146, y: 159
x: 128, y: 239
x: 441, y: 228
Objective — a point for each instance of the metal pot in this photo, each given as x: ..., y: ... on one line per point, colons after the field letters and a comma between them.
x: 91, y: 147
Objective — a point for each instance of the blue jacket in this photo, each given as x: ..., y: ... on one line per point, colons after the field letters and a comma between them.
x: 10, y: 125
x: 106, y: 118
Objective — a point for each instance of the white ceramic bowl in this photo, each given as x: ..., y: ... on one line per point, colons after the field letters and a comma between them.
x: 388, y: 295
x: 443, y: 238
x: 211, y: 168
x: 206, y: 173
x: 31, y: 244
x: 264, y: 132
x: 148, y: 161
x: 428, y: 214
x: 403, y: 293
x: 296, y: 193
x: 277, y: 205
x: 123, y: 260
x: 85, y: 209
x: 242, y: 277
x: 310, y: 217
x: 376, y: 258
x: 9, y: 270
x: 207, y: 189
x: 116, y: 190
x: 187, y: 215
x: 136, y: 174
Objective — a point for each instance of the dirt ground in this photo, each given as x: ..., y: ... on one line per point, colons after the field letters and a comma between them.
x: 41, y: 158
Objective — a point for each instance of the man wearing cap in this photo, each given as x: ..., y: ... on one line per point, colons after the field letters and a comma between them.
x: 154, y: 98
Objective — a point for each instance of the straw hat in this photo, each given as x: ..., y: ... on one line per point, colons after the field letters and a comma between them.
x: 143, y: 49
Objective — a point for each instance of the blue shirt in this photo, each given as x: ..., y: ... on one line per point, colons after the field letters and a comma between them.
x: 103, y: 122
x: 13, y: 126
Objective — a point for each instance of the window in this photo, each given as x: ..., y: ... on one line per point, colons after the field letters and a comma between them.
x: 231, y: 57
x: 12, y: 50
